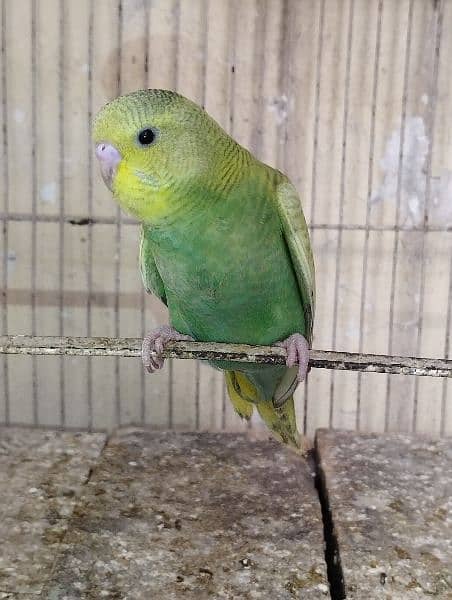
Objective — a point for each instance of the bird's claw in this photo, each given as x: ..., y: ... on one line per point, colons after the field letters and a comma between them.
x: 154, y: 344
x: 297, y: 349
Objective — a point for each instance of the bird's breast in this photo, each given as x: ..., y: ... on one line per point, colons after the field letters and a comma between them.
x: 230, y: 284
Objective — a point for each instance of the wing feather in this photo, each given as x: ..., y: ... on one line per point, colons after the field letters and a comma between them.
x: 151, y: 277
x: 296, y: 235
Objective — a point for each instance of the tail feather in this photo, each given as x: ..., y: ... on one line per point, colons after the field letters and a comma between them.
x: 242, y: 406
x: 281, y: 420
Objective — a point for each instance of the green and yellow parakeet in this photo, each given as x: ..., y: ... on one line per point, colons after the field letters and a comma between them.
x: 224, y: 243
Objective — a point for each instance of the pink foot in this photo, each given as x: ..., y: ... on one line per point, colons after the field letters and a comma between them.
x: 154, y: 344
x: 297, y: 353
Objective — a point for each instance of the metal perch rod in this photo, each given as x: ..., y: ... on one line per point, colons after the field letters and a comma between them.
x: 319, y: 359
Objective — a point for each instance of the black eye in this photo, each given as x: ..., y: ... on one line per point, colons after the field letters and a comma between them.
x: 146, y: 137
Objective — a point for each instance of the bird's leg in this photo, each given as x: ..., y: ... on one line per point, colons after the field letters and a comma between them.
x: 154, y: 343
x: 297, y: 349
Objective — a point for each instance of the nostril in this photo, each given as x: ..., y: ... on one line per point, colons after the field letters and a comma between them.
x: 100, y: 150
x: 107, y: 153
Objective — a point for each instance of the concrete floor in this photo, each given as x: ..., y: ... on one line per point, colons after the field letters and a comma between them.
x: 163, y: 515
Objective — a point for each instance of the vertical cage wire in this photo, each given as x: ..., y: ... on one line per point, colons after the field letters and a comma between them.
x: 61, y: 225
x: 315, y: 141
x: 34, y: 192
x: 339, y: 248
x: 395, y: 252
x: 431, y: 117
x: 118, y: 228
x: 6, y: 201
x: 368, y: 199
x: 89, y: 270
x: 446, y: 352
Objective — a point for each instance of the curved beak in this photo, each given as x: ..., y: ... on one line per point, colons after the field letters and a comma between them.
x: 109, y: 159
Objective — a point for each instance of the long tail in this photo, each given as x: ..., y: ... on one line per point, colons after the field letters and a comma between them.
x: 281, y: 421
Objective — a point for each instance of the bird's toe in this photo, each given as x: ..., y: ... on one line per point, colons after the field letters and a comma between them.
x: 154, y: 344
x: 297, y: 349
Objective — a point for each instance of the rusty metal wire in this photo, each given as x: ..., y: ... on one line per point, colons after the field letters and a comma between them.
x: 84, y: 221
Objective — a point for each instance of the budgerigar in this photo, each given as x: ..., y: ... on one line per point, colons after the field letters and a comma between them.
x: 224, y: 243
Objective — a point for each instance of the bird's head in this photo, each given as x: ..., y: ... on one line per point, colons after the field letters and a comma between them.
x: 151, y: 144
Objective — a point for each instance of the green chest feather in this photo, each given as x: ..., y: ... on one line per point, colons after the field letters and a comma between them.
x: 227, y: 274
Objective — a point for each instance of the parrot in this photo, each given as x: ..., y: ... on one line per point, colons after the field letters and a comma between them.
x: 224, y: 244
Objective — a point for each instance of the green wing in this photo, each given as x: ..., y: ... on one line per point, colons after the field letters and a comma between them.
x: 151, y: 278
x: 296, y: 235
